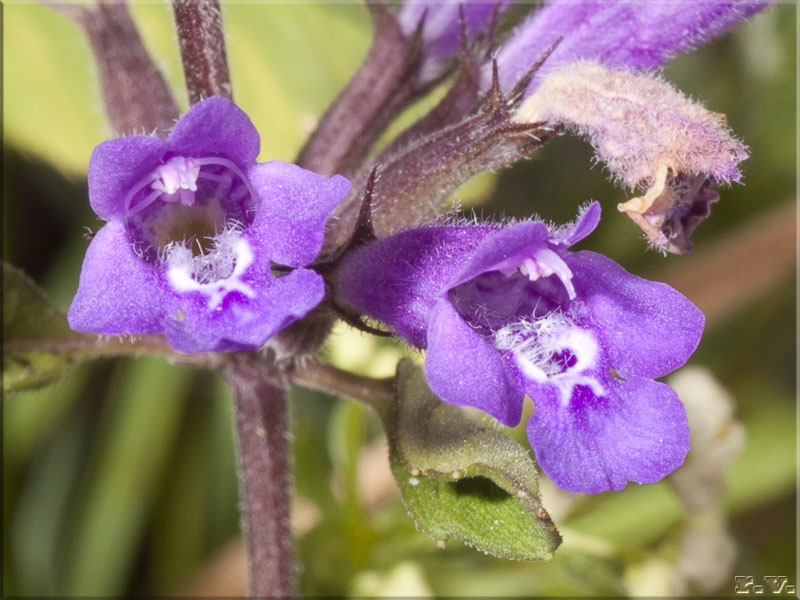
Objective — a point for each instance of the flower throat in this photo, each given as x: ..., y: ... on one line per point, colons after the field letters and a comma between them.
x: 189, y: 213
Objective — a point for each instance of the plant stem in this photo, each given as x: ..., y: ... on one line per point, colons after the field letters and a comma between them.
x: 378, y: 394
x: 80, y: 347
x: 135, y: 94
x: 202, y: 41
x: 264, y: 472
x: 380, y: 89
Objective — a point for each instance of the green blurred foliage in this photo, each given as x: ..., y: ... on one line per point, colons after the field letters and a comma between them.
x: 120, y: 478
x: 29, y: 317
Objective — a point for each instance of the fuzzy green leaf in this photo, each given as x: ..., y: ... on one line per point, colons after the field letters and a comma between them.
x: 465, y: 479
x: 29, y: 323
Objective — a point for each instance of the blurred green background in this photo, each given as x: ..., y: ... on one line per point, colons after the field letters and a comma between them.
x: 119, y: 480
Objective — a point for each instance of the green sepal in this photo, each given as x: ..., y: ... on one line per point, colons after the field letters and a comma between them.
x: 465, y: 479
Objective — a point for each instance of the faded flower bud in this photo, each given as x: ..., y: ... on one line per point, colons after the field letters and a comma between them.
x: 647, y: 133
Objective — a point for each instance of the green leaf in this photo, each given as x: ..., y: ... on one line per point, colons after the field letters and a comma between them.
x: 30, y: 321
x: 464, y: 479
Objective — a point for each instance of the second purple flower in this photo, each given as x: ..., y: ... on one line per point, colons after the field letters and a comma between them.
x: 505, y: 311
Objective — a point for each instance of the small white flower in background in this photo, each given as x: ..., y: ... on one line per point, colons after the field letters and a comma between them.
x: 654, y: 577
x: 716, y: 438
x: 405, y: 579
x: 707, y: 551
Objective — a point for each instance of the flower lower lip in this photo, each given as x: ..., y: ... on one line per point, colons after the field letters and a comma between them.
x: 215, y: 274
x: 551, y: 349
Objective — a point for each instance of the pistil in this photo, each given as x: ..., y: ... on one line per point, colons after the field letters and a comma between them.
x: 539, y: 262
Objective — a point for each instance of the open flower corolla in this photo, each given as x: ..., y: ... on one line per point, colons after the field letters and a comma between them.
x: 195, y: 228
x: 506, y: 310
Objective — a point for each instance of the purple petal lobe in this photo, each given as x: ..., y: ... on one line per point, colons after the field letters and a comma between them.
x: 637, y: 432
x: 463, y: 368
x: 502, y: 246
x: 216, y: 127
x: 647, y: 328
x: 294, y: 205
x: 582, y: 226
x: 241, y: 322
x: 118, y: 292
x: 116, y: 166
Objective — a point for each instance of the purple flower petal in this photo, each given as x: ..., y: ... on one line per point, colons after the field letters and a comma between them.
x: 241, y: 322
x: 465, y: 369
x: 616, y: 33
x: 216, y: 127
x: 118, y: 292
x: 440, y: 33
x: 638, y: 433
x: 648, y: 328
x: 572, y: 233
x: 294, y: 205
x: 501, y: 246
x: 116, y: 166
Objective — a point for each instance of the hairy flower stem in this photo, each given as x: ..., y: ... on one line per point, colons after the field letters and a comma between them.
x: 385, y: 83
x: 135, y: 94
x: 264, y: 471
x: 378, y: 394
x: 202, y: 41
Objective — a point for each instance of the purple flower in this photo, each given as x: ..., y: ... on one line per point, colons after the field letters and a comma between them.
x: 616, y: 33
x: 505, y: 311
x: 193, y: 228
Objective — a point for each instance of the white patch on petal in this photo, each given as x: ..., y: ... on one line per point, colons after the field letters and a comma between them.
x: 539, y: 347
x: 215, y: 273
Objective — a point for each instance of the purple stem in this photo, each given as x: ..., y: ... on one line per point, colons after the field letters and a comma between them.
x: 202, y: 41
x: 378, y: 394
x: 382, y: 87
x: 264, y: 474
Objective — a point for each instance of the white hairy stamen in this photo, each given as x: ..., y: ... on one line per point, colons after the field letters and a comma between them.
x: 540, y: 347
x: 539, y: 262
x: 176, y: 181
x: 216, y: 272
